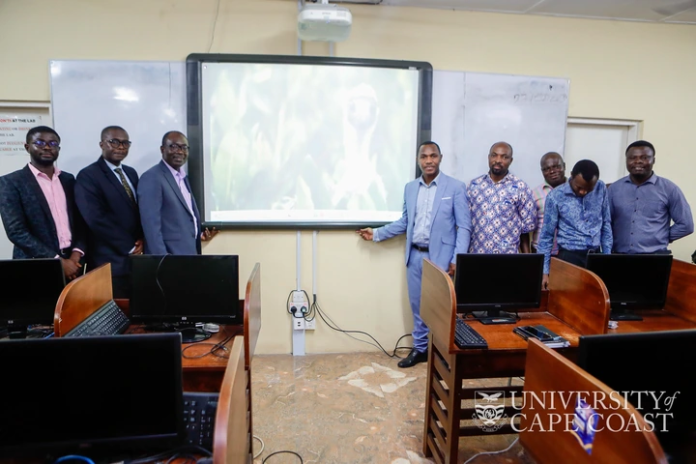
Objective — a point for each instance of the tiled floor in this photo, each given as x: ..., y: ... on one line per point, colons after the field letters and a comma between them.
x: 347, y: 408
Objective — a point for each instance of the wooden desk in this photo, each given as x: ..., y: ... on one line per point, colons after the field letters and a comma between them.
x: 680, y: 308
x: 577, y: 305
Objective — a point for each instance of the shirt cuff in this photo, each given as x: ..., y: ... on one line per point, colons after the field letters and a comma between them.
x: 375, y: 235
x: 79, y: 251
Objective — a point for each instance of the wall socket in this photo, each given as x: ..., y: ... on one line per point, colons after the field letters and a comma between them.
x: 298, y: 323
x: 299, y: 301
x: 311, y: 325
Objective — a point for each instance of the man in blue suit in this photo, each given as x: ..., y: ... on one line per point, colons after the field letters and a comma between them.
x: 105, y: 194
x: 437, y: 224
x: 37, y: 204
x: 168, y: 212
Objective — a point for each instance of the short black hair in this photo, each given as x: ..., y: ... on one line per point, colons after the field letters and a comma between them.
x: 587, y: 168
x: 108, y: 128
x: 37, y: 129
x: 639, y: 144
x: 500, y: 143
x: 167, y: 134
x: 430, y: 142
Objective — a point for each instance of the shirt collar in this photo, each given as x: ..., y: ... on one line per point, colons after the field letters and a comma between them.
x: 112, y: 166
x: 422, y: 182
x: 180, y: 174
x: 508, y: 178
x: 651, y: 180
x: 38, y: 173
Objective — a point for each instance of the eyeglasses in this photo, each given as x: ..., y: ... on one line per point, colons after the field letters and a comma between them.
x: 115, y: 143
x: 555, y: 167
x: 176, y: 146
x: 43, y: 143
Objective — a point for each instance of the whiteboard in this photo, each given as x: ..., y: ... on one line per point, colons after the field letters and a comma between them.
x: 146, y: 98
x: 472, y: 111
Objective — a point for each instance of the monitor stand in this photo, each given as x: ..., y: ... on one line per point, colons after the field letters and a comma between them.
x: 495, y: 316
x: 623, y: 315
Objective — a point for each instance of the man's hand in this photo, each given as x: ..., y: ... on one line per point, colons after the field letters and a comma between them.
x: 208, y: 234
x: 71, y: 267
x: 545, y: 282
x: 452, y: 269
x: 139, y: 245
x: 366, y: 234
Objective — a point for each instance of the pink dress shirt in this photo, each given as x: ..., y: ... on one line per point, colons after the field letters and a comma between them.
x: 57, y: 203
x: 179, y: 178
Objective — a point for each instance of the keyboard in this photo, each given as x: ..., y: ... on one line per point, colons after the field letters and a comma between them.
x: 465, y: 337
x: 107, y: 320
x: 199, y: 417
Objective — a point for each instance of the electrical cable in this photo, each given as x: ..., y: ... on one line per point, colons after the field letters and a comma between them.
x: 317, y: 309
x: 263, y: 445
x: 491, y: 452
x: 215, y: 347
x: 74, y: 457
x: 282, y: 452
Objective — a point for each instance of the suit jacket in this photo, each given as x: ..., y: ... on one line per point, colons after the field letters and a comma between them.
x: 112, y: 218
x: 166, y: 220
x: 450, y: 226
x: 28, y: 220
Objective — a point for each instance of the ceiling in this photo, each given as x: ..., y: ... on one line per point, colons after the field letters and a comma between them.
x: 666, y: 11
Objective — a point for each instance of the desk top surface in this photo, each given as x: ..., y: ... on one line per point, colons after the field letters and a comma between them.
x: 653, y: 321
x: 190, y: 359
x: 501, y: 336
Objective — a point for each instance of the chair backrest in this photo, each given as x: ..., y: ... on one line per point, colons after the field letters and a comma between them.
x: 550, y: 380
x: 81, y: 298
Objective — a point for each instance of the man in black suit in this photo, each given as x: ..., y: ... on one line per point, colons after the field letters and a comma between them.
x: 37, y: 205
x: 105, y: 193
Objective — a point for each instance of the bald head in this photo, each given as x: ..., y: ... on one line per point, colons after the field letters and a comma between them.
x: 501, y: 145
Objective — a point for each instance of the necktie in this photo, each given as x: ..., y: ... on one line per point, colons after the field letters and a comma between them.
x: 129, y: 192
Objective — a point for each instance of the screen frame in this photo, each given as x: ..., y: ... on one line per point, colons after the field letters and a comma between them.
x: 24, y: 321
x: 135, y: 317
x: 163, y: 441
x: 194, y: 113
x: 462, y: 263
x: 617, y: 306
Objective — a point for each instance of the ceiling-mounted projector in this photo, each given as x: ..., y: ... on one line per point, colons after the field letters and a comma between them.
x: 324, y: 22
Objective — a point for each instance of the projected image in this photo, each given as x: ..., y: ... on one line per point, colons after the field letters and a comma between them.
x: 307, y: 143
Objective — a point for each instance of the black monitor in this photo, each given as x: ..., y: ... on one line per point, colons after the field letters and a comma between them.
x: 633, y: 281
x: 91, y: 393
x: 650, y: 362
x: 494, y: 283
x: 188, y: 289
x: 34, y: 287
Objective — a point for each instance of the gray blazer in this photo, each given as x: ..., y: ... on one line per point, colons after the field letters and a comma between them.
x: 166, y: 220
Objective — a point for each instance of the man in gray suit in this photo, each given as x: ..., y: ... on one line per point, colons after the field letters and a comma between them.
x: 437, y: 224
x: 168, y: 212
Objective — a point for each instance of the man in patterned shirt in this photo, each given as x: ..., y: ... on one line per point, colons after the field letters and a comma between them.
x: 553, y: 170
x: 502, y: 206
x: 578, y: 214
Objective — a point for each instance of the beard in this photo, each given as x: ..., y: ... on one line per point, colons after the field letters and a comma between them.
x: 43, y: 161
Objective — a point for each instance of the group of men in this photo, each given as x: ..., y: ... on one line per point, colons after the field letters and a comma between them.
x: 641, y: 213
x: 105, y: 214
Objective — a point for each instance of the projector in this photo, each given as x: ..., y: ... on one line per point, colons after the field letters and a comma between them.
x: 324, y: 22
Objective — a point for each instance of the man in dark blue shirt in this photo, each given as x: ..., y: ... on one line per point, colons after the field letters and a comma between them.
x: 648, y: 212
x: 578, y: 214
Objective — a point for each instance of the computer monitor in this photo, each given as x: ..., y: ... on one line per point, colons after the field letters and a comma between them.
x: 91, y: 393
x: 650, y: 362
x: 633, y: 281
x: 35, y: 286
x: 190, y: 288
x: 494, y: 283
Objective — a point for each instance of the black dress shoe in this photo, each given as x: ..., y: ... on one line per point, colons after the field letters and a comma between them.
x: 413, y: 358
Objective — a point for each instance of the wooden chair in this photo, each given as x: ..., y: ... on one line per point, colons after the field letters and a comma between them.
x: 547, y: 373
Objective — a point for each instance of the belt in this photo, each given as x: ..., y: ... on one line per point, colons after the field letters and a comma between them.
x: 589, y: 250
x: 420, y: 248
